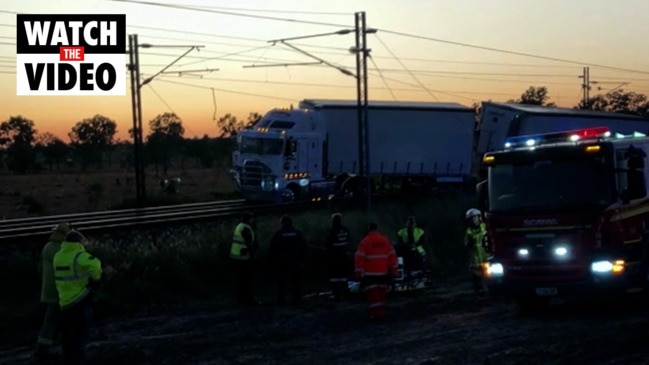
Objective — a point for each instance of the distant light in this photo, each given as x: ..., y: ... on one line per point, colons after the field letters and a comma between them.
x: 523, y: 252
x: 574, y: 138
x: 530, y: 142
x: 561, y: 251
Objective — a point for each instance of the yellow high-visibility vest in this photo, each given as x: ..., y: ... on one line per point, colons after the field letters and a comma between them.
x: 417, y: 233
x: 73, y: 268
x: 240, y: 250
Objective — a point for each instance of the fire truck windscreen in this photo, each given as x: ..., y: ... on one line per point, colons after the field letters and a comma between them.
x: 531, y: 181
x: 261, y: 146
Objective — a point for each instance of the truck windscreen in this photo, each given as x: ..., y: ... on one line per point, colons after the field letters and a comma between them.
x: 261, y: 146
x: 560, y: 182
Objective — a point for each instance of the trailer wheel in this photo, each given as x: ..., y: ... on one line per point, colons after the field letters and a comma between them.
x: 351, y: 187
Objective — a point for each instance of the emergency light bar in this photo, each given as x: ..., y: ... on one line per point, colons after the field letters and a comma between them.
x: 532, y: 140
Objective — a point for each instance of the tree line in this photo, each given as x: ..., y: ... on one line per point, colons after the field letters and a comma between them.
x: 93, y: 143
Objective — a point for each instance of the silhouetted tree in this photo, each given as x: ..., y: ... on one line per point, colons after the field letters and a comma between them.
x: 91, y: 138
x: 229, y: 125
x: 534, y: 96
x: 53, y: 149
x: 165, y: 139
x: 618, y: 101
x: 17, y: 135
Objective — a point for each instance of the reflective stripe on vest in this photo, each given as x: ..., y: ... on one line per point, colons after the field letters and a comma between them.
x: 75, y: 271
x: 239, y: 248
x: 416, y: 234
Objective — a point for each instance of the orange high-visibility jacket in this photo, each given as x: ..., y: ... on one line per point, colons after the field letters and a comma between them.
x: 375, y: 256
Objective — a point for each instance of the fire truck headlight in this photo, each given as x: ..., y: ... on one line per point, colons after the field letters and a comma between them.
x: 495, y: 269
x: 561, y: 251
x: 606, y: 266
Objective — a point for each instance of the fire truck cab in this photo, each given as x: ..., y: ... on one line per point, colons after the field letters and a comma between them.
x: 567, y: 214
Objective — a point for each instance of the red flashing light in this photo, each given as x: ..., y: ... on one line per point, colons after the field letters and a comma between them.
x: 590, y: 132
x: 564, y: 136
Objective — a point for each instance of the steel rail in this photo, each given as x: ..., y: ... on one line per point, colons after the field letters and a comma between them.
x: 55, y: 219
x: 31, y: 229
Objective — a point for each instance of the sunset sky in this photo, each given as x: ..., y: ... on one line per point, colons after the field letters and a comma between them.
x: 463, y: 51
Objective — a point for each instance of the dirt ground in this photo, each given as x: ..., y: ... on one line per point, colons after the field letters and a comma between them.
x: 51, y: 193
x: 445, y: 324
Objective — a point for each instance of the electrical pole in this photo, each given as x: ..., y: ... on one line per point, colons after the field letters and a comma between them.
x: 136, y: 100
x: 134, y: 67
x: 362, y: 105
x: 586, y: 85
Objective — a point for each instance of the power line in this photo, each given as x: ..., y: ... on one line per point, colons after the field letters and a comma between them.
x: 510, y: 52
x: 199, y: 9
x: 383, y: 78
x: 404, y: 66
x: 225, y: 90
x: 275, y: 11
x: 161, y: 99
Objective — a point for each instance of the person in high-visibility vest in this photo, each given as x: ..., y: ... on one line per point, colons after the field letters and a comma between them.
x: 411, y: 246
x: 50, y: 328
x: 336, y: 242
x: 475, y: 239
x: 375, y: 265
x: 77, y: 273
x: 244, y: 246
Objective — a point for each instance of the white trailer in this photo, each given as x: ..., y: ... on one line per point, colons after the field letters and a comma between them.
x: 314, y: 149
x: 501, y: 120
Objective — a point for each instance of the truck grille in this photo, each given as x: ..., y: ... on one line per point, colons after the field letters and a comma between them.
x: 253, y: 172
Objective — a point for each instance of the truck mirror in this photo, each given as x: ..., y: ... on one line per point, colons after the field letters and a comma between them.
x: 482, y: 189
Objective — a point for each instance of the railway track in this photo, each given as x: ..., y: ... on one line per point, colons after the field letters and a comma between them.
x: 38, y: 228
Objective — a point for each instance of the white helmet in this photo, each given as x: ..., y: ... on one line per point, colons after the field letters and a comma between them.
x: 472, y: 213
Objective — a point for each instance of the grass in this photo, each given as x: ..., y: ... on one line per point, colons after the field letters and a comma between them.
x: 189, y: 265
x: 52, y: 193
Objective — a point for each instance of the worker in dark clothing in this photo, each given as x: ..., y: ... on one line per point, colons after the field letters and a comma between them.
x: 337, y: 241
x: 244, y: 246
x: 287, y: 252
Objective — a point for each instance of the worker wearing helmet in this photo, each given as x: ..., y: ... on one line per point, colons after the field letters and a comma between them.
x: 474, y: 238
x: 411, y: 245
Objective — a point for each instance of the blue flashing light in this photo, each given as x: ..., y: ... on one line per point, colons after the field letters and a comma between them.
x: 533, y: 140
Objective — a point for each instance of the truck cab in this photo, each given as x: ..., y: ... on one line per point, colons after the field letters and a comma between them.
x: 567, y: 213
x: 276, y: 159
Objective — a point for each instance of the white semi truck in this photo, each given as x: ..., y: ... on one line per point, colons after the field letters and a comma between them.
x: 312, y: 151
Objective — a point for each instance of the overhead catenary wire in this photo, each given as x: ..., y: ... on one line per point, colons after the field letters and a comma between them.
x: 225, y: 90
x: 382, y: 78
x: 516, y: 53
x: 223, y: 12
x: 404, y: 67
x: 273, y: 11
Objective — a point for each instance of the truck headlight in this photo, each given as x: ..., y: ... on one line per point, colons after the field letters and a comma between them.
x: 607, y: 266
x: 495, y: 269
x: 304, y: 182
x: 268, y: 184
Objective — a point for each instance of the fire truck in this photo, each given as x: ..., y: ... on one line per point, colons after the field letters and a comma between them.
x: 567, y: 214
